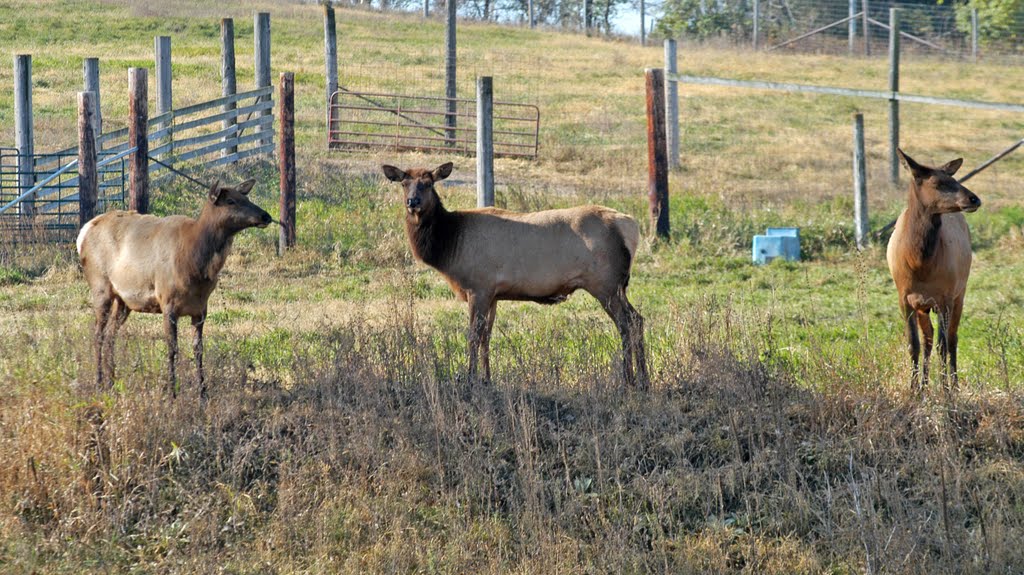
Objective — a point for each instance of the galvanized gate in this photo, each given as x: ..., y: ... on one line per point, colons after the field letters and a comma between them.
x: 378, y: 120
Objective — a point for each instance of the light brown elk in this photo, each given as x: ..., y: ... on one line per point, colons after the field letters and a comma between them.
x: 168, y: 265
x: 488, y: 255
x: 929, y: 257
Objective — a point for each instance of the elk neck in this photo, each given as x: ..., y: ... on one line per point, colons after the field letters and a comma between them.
x: 434, y: 235
x: 206, y: 245
x: 922, y: 231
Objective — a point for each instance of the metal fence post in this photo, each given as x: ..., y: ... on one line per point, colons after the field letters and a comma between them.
x: 450, y: 92
x: 860, y: 188
x: 286, y: 157
x: 331, y: 59
x: 657, y: 164
x: 138, y: 116
x: 894, y: 87
x: 261, y: 54
x: 88, y: 180
x: 162, y: 49
x: 228, y: 81
x: 91, y: 76
x: 23, y: 130
x: 484, y: 142
x: 643, y: 23
x: 672, y: 104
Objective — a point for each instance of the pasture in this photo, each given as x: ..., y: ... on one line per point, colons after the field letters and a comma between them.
x: 779, y: 435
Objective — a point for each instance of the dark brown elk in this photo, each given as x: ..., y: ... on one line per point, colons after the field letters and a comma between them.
x: 168, y: 265
x: 488, y: 255
x: 929, y: 257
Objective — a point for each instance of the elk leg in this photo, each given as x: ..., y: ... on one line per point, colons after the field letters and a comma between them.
x: 914, y: 345
x: 478, y: 307
x: 118, y: 315
x: 171, y: 329
x: 924, y: 321
x: 197, y: 352
x: 102, y: 304
x: 485, y: 340
x: 951, y: 339
x: 944, y: 343
x: 616, y: 308
x: 637, y: 341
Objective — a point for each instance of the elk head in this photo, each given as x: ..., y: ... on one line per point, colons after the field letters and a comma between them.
x: 937, y: 190
x: 418, y: 185
x: 231, y: 209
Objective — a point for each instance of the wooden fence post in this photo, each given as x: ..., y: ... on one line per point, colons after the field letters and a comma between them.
x: 657, y: 163
x: 261, y: 53
x: 286, y: 157
x: 426, y: 8
x: 23, y: 130
x: 852, y: 28
x: 162, y: 50
x: 867, y: 30
x: 91, y: 76
x: 974, y: 34
x: 531, y: 14
x: 88, y: 180
x: 757, y: 23
x: 138, y: 116
x: 643, y: 23
x: 450, y: 92
x: 894, y: 87
x: 484, y: 141
x: 860, y: 187
x: 331, y: 60
x: 228, y: 82
x: 672, y: 104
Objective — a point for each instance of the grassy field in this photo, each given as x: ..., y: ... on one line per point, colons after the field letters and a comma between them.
x: 780, y: 435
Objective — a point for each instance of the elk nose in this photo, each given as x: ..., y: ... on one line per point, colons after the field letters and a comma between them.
x: 975, y: 201
x: 413, y: 202
x: 266, y: 218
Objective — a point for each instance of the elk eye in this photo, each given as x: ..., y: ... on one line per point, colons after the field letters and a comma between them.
x: 230, y: 202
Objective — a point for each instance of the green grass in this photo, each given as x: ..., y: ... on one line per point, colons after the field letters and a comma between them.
x: 341, y: 436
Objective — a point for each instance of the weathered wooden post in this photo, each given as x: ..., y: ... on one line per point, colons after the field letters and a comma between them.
x: 530, y: 14
x: 91, y: 77
x: 894, y: 88
x: 331, y: 60
x: 974, y: 34
x: 138, y: 117
x: 852, y: 28
x: 286, y: 157
x: 867, y: 30
x: 162, y: 50
x: 484, y: 142
x: 643, y: 23
x: 23, y: 125
x: 657, y: 163
x: 672, y: 104
x: 261, y: 54
x: 426, y: 8
x: 860, y: 187
x: 757, y: 22
x: 88, y: 179
x: 450, y: 93
x: 228, y: 82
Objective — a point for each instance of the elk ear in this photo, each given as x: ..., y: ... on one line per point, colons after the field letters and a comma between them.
x: 951, y: 167
x: 392, y: 173
x: 443, y: 171
x: 215, y: 191
x: 245, y: 187
x: 917, y: 170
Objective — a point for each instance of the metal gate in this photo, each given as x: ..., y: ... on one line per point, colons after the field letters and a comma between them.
x: 51, y: 213
x: 377, y: 120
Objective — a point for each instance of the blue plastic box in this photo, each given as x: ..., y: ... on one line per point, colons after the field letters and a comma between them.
x: 777, y: 243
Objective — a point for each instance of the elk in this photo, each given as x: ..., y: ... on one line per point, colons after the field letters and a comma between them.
x: 929, y: 256
x: 489, y: 254
x: 143, y: 263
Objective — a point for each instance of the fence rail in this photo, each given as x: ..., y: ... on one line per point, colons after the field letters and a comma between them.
x: 423, y: 123
x: 191, y: 135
